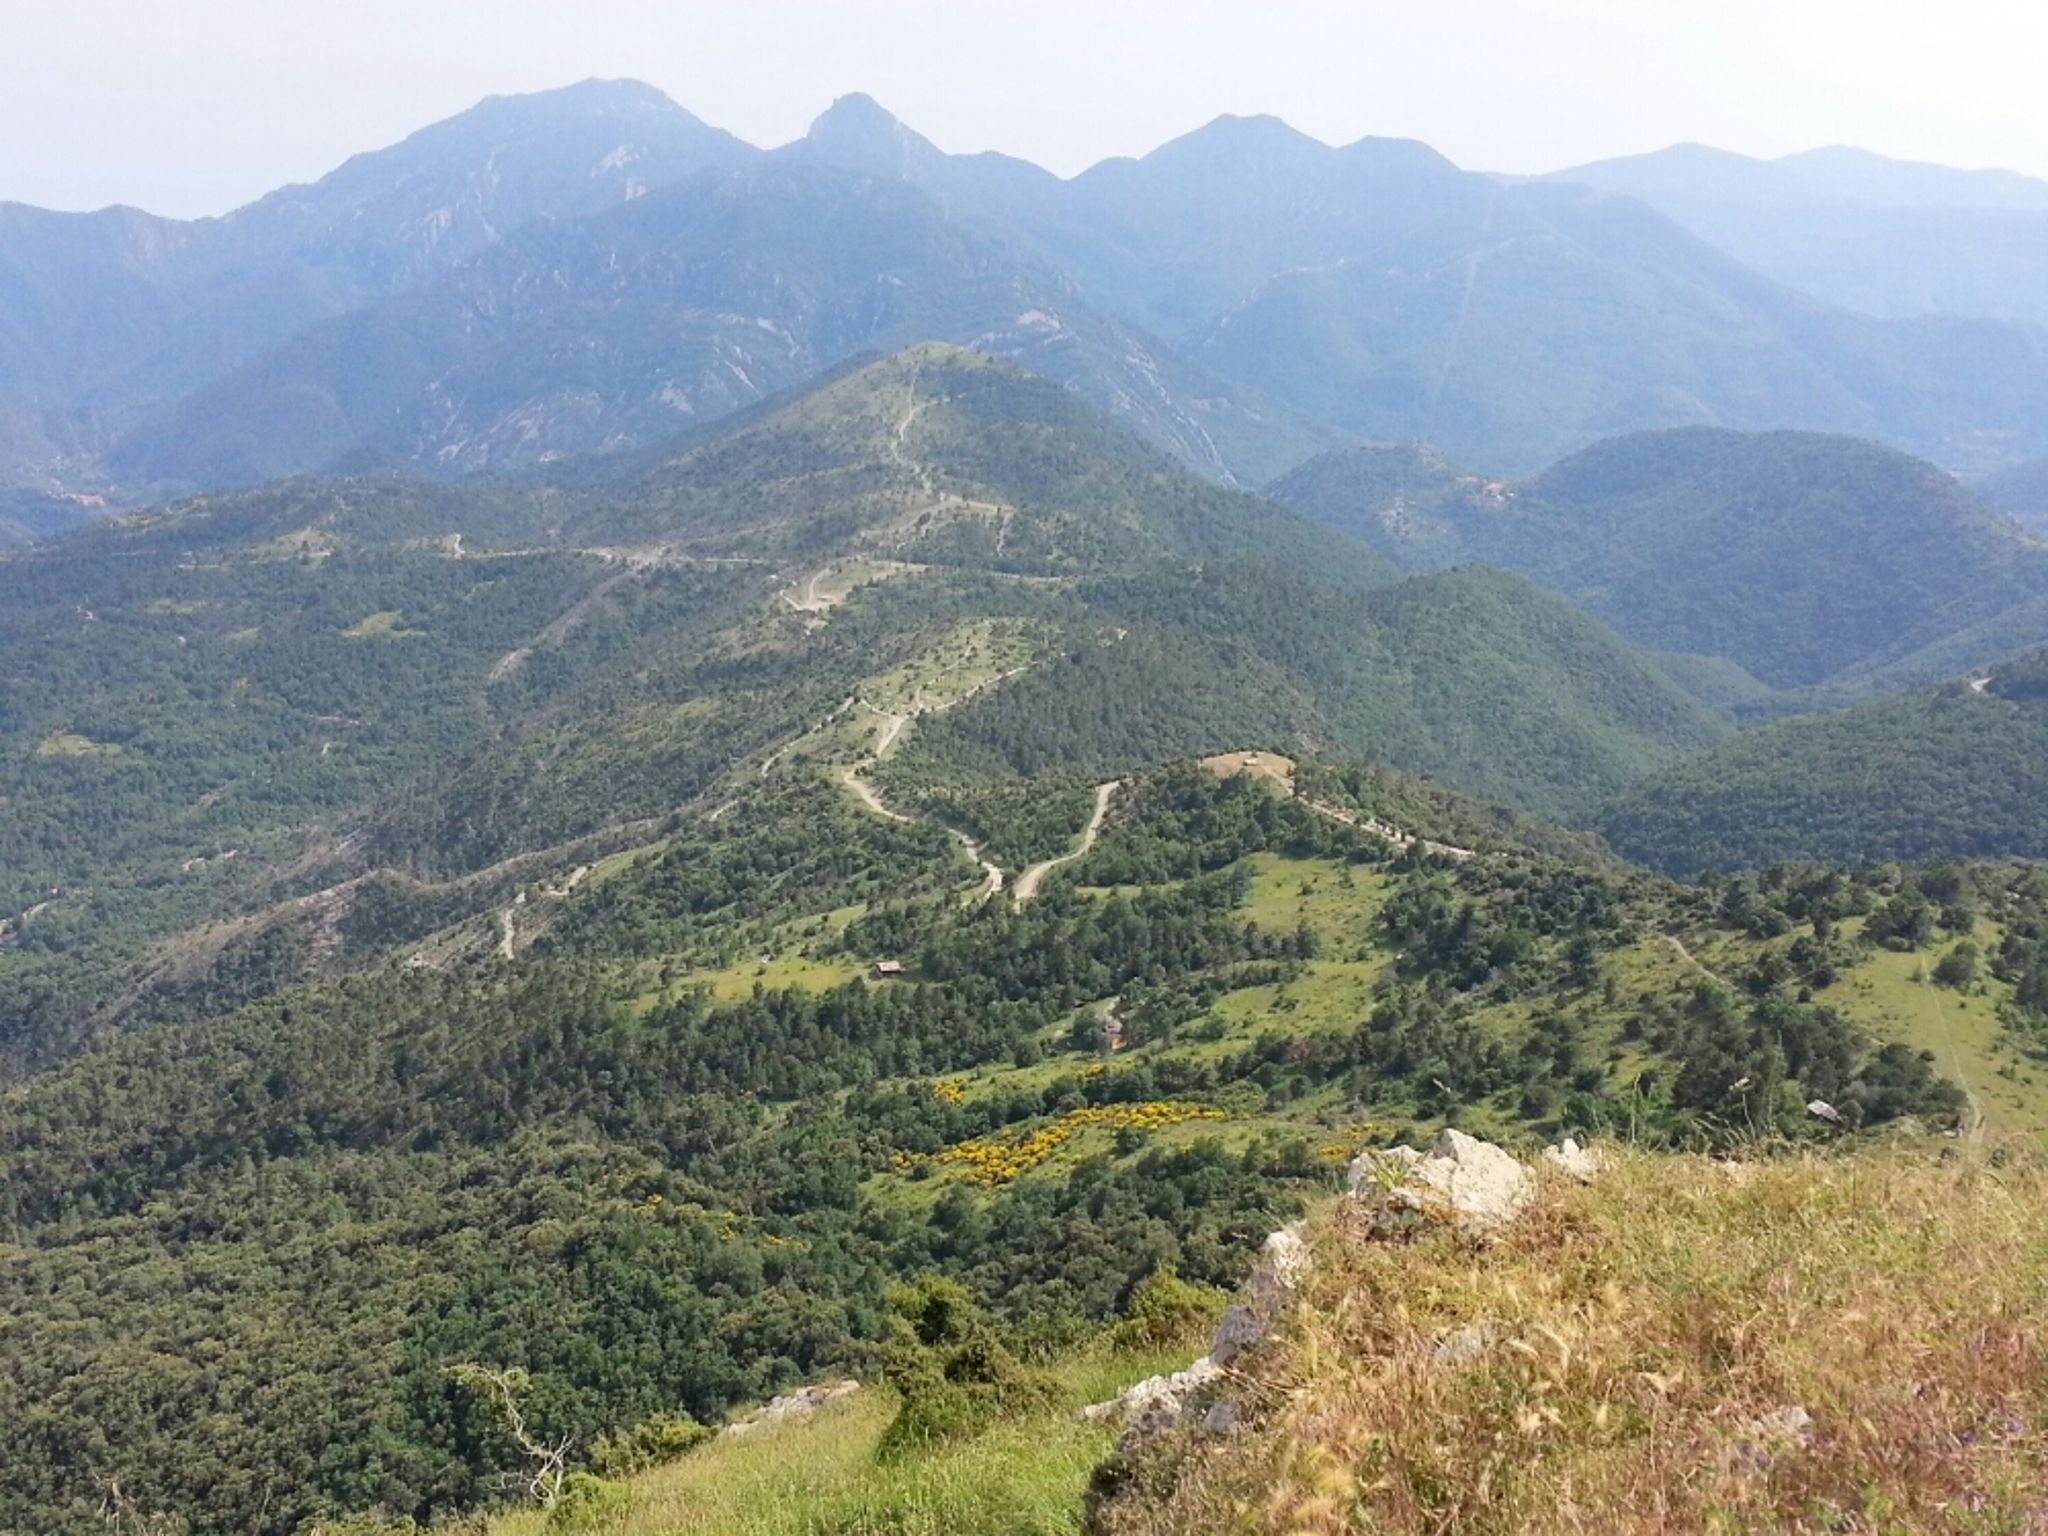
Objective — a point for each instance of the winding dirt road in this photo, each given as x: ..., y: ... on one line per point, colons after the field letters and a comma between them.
x: 1029, y: 882
x: 868, y: 796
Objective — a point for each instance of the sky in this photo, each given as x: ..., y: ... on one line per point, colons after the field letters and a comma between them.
x: 189, y: 107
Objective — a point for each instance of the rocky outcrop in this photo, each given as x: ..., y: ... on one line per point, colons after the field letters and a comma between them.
x: 1470, y: 1185
x: 1162, y: 1402
x: 791, y: 1408
x: 1582, y: 1163
x: 1157, y: 1402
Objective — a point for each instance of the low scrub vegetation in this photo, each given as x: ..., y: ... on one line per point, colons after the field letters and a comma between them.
x: 1811, y: 1343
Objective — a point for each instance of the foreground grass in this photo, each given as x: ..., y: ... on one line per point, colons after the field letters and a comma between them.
x: 1855, y: 1343
x: 823, y: 1478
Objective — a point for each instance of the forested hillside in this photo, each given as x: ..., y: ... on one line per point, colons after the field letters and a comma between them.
x: 661, y: 1185
x: 1473, y: 677
x: 1955, y: 772
x: 264, y: 734
x: 1799, y: 557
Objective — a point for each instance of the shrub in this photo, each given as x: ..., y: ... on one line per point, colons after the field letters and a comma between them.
x: 1164, y: 1309
x: 587, y: 1502
x: 1958, y: 968
x: 954, y: 1375
x: 651, y: 1443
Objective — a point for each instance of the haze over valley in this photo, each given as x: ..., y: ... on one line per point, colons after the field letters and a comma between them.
x: 715, y: 838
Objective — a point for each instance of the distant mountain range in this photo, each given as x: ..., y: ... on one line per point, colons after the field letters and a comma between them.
x: 1887, y: 237
x: 593, y: 267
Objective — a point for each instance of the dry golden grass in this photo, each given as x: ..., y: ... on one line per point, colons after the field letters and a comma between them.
x: 1646, y: 1341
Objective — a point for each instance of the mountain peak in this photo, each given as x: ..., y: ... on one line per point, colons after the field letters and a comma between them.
x: 1261, y: 131
x: 857, y: 133
x: 855, y: 107
x: 595, y: 88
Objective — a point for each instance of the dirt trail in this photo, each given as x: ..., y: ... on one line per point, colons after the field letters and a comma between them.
x: 992, y: 873
x: 810, y: 602
x: 921, y: 472
x: 896, y: 724
x: 1381, y: 829
x: 898, y: 450
x: 873, y: 801
x: 1029, y: 882
x: 1973, y: 1129
x: 637, y: 560
x: 1678, y: 947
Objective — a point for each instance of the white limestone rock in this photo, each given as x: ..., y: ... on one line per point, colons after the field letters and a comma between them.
x: 1156, y: 1396
x: 1472, y: 1183
x: 1283, y: 1266
x: 791, y: 1407
x: 1582, y: 1163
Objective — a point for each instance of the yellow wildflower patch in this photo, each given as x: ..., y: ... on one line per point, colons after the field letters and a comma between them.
x: 998, y: 1159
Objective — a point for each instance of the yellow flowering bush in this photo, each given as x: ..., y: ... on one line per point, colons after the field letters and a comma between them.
x: 991, y: 1160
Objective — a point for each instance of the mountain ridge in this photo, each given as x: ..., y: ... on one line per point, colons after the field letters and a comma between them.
x: 1710, y: 542
x: 1253, y: 294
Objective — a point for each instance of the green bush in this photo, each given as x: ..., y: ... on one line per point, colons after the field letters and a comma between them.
x: 587, y: 1502
x: 955, y: 1376
x: 1958, y: 968
x: 651, y: 1443
x: 1163, y: 1309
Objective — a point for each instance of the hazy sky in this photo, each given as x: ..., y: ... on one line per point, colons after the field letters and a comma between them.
x: 194, y: 106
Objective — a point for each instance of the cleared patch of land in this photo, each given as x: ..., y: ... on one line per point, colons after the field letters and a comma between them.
x: 72, y: 744
x: 382, y: 626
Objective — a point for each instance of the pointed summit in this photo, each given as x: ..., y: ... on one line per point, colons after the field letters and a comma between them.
x: 857, y: 133
x: 1235, y: 142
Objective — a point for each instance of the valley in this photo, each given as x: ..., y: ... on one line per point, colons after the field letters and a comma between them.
x: 642, y: 777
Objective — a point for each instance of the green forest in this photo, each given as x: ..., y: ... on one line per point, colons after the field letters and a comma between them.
x: 257, y: 1246
x: 614, y: 930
